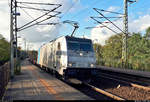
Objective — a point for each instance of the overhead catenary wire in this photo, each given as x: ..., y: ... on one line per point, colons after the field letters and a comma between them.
x: 34, y: 18
x: 85, y: 9
x: 48, y: 23
x: 39, y: 17
x: 68, y: 10
x: 104, y: 22
x: 104, y: 25
x: 33, y: 8
x: 108, y: 20
x: 37, y: 22
x: 38, y: 3
x: 108, y: 17
x: 109, y: 11
x: 94, y: 27
x: 28, y: 14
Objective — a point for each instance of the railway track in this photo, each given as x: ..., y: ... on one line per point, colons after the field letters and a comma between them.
x: 115, y: 97
x: 130, y: 81
x: 117, y: 85
x: 145, y: 81
x: 95, y: 93
x: 118, y: 88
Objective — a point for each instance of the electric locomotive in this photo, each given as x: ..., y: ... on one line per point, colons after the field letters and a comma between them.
x: 68, y: 57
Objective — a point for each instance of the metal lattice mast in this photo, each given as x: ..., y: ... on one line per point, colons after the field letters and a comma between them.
x: 12, y: 34
x: 16, y: 31
x: 125, y: 35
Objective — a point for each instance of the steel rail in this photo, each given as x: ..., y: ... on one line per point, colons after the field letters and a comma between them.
x: 123, y: 81
x: 105, y: 92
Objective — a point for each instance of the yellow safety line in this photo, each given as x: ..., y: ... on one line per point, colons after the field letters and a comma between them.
x: 47, y: 86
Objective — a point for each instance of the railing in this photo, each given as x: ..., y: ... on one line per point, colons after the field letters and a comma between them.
x: 4, y: 78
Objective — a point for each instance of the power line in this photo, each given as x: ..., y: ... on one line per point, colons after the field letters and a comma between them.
x: 104, y: 25
x: 37, y: 23
x: 85, y: 9
x: 108, y: 11
x: 68, y: 10
x: 39, y: 17
x: 108, y: 19
x: 14, y: 29
x: 28, y: 14
x: 38, y: 3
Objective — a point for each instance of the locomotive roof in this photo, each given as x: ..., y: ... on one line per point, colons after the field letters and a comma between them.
x: 69, y: 38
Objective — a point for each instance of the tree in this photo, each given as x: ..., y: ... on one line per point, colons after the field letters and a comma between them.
x: 138, y: 51
x: 112, y: 50
x: 4, y: 51
x: 147, y: 35
x: 98, y: 50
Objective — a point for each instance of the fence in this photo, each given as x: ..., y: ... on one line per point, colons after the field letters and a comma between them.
x: 4, y: 78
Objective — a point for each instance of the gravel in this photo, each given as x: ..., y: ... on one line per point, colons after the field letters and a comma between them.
x: 122, y: 90
x: 130, y: 93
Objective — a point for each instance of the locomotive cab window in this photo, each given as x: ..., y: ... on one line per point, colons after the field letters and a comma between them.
x: 85, y: 47
x: 80, y: 46
x: 73, y: 46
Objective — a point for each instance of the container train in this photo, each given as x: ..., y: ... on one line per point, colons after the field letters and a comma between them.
x: 68, y: 57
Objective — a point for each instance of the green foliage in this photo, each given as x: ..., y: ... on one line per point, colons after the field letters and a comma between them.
x: 139, y: 52
x: 4, y: 51
x: 98, y: 49
x: 113, y: 51
x: 147, y: 32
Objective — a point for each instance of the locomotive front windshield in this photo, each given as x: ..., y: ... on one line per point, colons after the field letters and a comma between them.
x: 80, y: 44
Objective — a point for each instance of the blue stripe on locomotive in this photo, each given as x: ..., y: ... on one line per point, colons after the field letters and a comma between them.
x: 38, y: 60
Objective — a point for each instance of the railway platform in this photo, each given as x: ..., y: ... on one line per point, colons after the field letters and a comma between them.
x: 35, y: 84
x: 126, y: 71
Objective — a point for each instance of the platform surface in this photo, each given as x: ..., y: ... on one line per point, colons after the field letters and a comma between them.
x: 36, y: 84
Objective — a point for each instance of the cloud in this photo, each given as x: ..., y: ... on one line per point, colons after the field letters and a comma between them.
x: 5, y: 20
x: 100, y: 35
x: 140, y: 24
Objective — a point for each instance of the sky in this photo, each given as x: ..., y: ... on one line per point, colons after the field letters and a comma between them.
x: 74, y: 10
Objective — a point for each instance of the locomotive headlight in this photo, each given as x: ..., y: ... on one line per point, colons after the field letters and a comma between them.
x: 70, y: 64
x: 81, y: 54
x: 92, y: 65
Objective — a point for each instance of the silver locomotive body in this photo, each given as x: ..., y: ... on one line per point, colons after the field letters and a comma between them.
x: 69, y: 57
